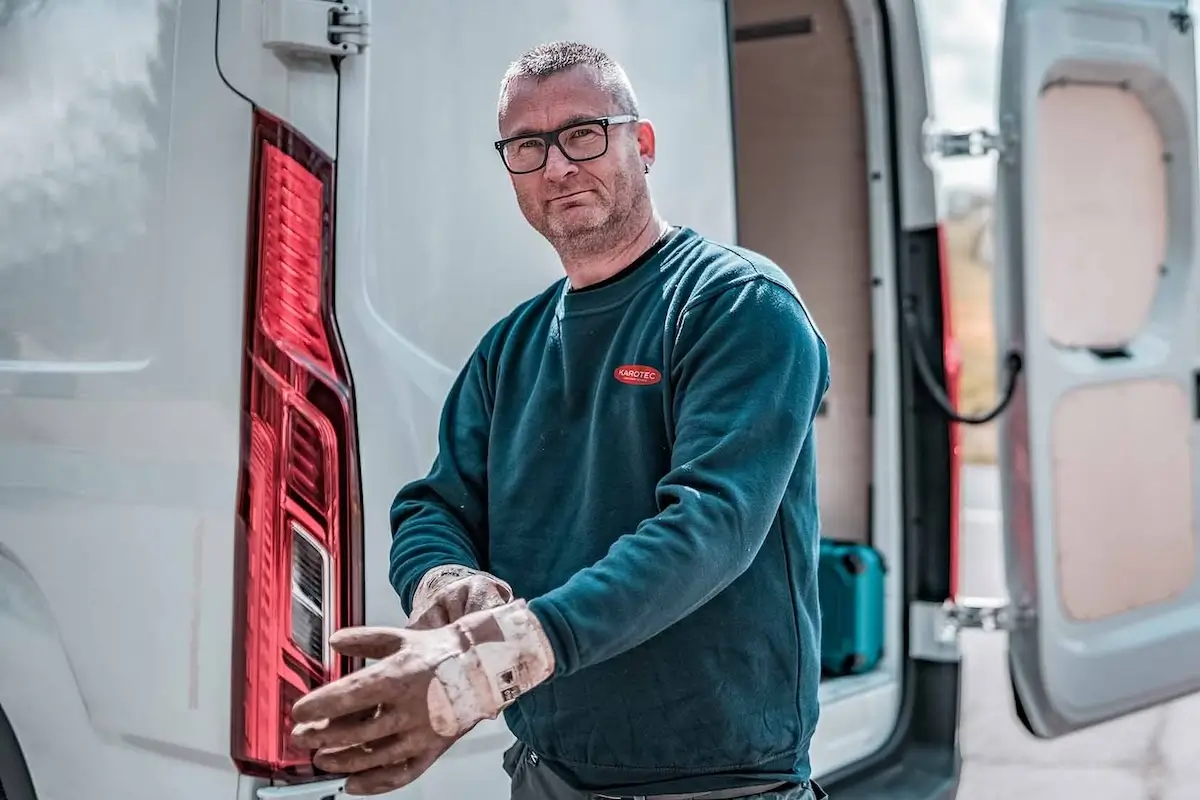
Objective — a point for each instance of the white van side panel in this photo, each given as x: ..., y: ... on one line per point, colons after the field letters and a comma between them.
x: 301, y: 90
x: 124, y: 170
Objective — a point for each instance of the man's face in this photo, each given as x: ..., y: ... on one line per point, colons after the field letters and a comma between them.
x: 577, y: 205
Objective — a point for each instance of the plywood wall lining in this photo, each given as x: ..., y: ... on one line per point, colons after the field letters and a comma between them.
x: 802, y: 201
x: 1102, y: 210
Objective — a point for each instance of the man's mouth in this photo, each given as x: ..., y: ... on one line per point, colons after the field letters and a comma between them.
x: 571, y: 196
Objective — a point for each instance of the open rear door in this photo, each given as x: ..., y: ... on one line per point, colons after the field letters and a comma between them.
x: 1097, y: 288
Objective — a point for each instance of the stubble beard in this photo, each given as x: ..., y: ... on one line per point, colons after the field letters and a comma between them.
x: 608, y: 229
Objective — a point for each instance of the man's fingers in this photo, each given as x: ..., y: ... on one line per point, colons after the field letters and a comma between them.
x: 395, y: 776
x: 365, y: 642
x: 358, y: 691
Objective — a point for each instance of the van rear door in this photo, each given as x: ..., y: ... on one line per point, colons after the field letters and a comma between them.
x: 1096, y: 287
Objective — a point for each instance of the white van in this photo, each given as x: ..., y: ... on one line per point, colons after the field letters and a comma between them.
x: 245, y: 246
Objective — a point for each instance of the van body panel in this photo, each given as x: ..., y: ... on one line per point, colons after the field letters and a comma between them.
x: 123, y: 215
x: 300, y: 89
x: 41, y: 695
x: 1100, y: 297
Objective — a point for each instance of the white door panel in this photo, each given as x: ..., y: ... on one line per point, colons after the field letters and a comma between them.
x: 432, y: 248
x: 1096, y: 286
x: 301, y: 90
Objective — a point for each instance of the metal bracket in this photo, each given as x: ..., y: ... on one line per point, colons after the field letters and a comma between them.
x: 934, y: 628
x: 957, y: 144
x: 974, y: 143
x: 323, y: 790
x: 314, y: 28
x: 981, y: 613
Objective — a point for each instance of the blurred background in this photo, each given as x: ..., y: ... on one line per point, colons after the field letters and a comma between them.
x: 963, y: 43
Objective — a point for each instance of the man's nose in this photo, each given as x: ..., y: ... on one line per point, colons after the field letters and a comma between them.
x: 558, y: 166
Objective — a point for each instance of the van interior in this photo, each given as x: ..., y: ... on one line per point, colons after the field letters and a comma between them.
x: 802, y: 145
x: 802, y: 201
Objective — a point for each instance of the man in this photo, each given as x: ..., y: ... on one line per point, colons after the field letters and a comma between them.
x: 630, y: 456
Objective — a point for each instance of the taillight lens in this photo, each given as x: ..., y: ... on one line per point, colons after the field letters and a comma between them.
x: 952, y: 358
x: 299, y: 552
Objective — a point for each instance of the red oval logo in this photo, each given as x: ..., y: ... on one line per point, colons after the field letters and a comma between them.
x: 637, y: 375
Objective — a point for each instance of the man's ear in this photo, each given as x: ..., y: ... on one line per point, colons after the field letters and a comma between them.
x: 646, y: 142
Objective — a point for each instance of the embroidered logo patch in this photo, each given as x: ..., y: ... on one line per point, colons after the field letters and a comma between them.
x: 637, y: 375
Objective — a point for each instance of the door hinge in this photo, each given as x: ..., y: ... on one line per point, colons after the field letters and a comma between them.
x: 934, y: 628
x: 314, y: 28
x: 960, y: 144
x: 981, y: 613
x: 973, y: 143
x: 1181, y: 18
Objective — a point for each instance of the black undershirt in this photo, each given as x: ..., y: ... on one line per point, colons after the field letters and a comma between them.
x: 637, y: 262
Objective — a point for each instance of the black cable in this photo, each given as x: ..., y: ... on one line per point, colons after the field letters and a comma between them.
x: 1013, y: 363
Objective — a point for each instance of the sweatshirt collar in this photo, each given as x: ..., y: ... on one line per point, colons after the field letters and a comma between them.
x: 622, y: 286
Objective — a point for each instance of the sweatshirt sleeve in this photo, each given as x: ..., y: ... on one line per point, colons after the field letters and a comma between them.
x: 749, y: 370
x: 441, y: 519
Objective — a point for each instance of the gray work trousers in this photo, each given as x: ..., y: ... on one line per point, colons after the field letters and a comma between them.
x: 533, y: 780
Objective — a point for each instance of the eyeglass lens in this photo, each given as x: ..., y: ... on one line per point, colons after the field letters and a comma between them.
x: 578, y: 143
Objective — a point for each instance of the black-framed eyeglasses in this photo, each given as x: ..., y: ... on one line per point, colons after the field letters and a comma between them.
x: 579, y: 141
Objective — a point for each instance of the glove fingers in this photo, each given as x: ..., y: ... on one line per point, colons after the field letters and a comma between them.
x: 432, y: 616
x: 385, y: 751
x: 350, y: 730
x: 366, y: 642
x: 393, y: 776
x: 357, y: 692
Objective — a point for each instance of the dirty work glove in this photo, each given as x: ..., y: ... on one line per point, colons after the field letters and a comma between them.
x: 384, y: 725
x: 447, y: 593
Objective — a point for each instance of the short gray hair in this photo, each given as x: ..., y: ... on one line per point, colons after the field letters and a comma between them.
x: 555, y: 57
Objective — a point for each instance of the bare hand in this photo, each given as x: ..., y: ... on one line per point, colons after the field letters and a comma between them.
x: 446, y: 597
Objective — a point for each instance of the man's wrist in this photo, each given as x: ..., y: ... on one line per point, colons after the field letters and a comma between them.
x: 506, y: 654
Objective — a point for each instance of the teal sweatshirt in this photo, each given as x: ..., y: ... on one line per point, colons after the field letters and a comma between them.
x: 637, y: 460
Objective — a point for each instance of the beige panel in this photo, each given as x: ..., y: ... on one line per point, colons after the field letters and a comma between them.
x: 802, y: 201
x: 1123, y: 507
x: 1101, y: 206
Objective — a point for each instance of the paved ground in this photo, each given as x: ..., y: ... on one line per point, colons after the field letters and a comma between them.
x: 1151, y: 756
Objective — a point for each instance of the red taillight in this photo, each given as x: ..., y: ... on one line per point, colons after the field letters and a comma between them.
x: 298, y: 578
x: 953, y: 365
